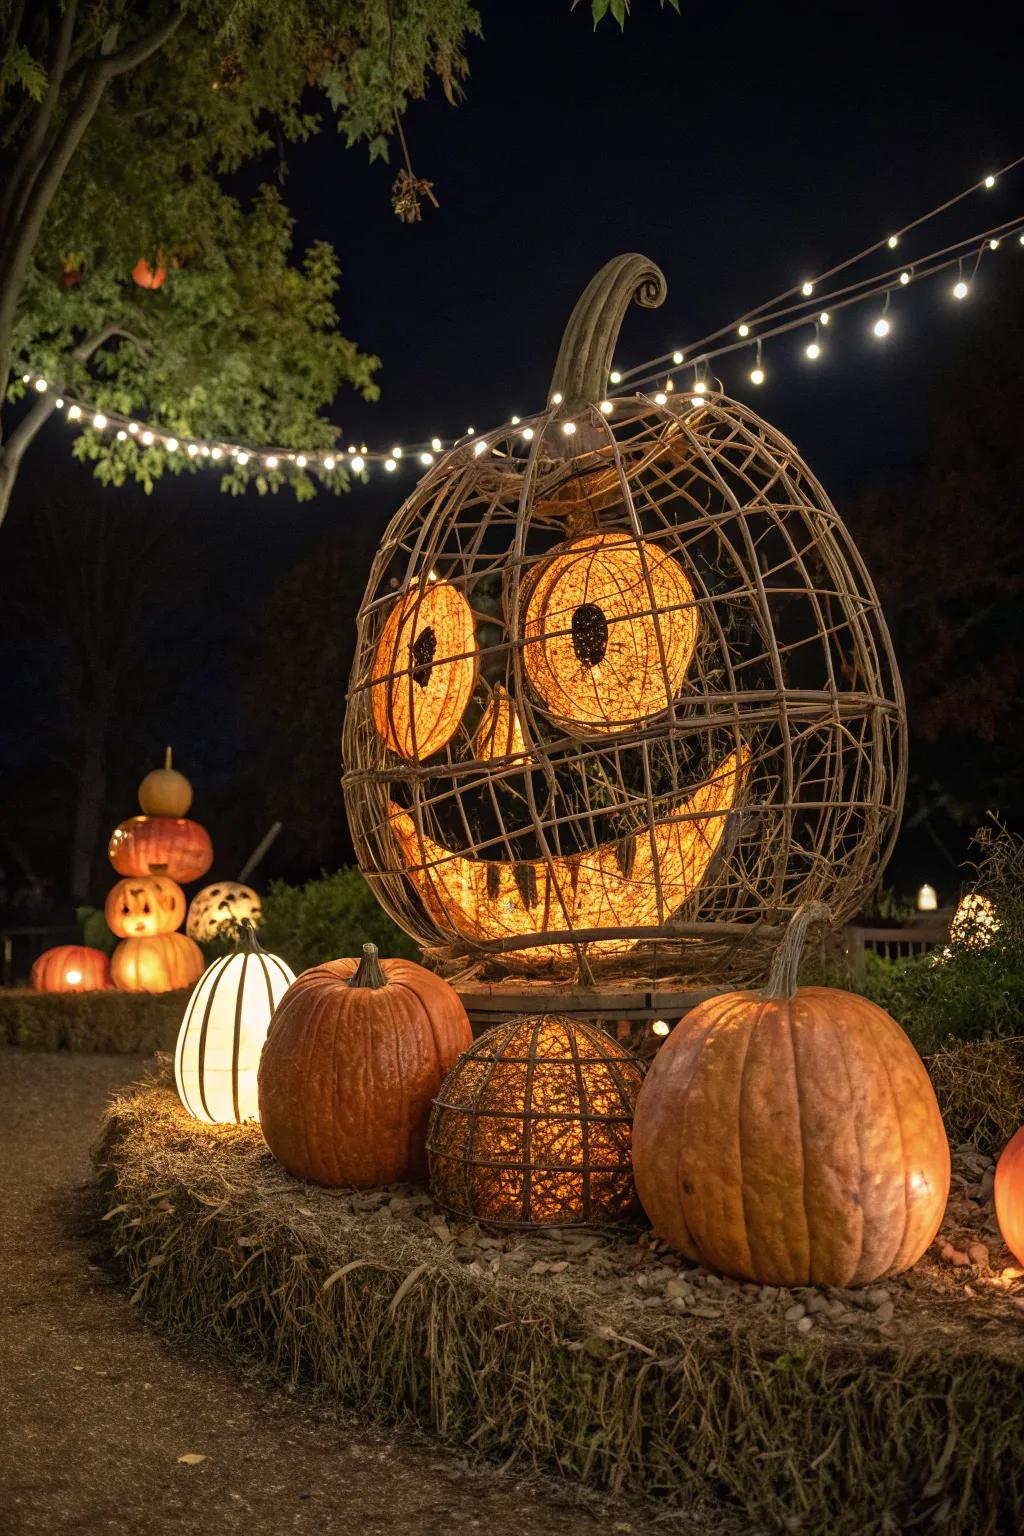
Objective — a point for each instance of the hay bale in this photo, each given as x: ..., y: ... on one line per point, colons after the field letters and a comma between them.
x: 840, y: 1432
x: 980, y: 1088
x: 123, y: 1023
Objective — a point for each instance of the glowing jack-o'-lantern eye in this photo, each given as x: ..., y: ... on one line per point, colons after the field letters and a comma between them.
x: 424, y: 670
x: 610, y: 631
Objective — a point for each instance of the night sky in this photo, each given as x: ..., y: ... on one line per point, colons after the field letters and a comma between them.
x: 742, y: 148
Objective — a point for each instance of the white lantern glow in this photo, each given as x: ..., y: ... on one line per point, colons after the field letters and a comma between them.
x: 927, y: 900
x: 221, y: 1037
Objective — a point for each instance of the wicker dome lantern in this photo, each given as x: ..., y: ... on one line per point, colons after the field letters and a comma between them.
x: 533, y: 1127
x: 623, y: 694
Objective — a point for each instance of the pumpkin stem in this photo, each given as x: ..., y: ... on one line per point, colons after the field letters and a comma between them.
x: 247, y: 937
x: 168, y: 764
x: 368, y: 972
x: 782, y: 979
x: 588, y: 345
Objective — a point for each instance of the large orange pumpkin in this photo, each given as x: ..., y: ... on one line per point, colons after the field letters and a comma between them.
x: 356, y: 1054
x: 141, y: 905
x: 166, y: 962
x: 161, y: 845
x: 1009, y: 1195
x: 71, y: 968
x: 792, y: 1137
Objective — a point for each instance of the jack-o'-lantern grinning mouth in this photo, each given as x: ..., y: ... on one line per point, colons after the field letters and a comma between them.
x: 634, y: 882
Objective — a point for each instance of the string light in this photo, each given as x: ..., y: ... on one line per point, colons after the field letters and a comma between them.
x: 771, y: 319
x: 390, y: 464
x: 568, y: 427
x: 661, y: 1027
x: 882, y: 326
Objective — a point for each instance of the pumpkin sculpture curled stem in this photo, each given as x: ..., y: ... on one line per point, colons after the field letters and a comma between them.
x: 588, y: 345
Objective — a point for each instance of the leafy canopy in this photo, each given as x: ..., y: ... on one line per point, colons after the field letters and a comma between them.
x: 241, y: 340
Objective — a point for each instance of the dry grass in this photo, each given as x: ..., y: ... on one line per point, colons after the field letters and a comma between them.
x: 119, y: 1022
x: 842, y: 1434
x: 980, y: 1088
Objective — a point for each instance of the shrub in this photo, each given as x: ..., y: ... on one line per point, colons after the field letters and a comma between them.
x: 333, y: 916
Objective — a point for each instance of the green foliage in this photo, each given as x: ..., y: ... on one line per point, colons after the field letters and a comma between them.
x: 620, y: 9
x: 241, y: 341
x: 328, y: 919
x: 974, y: 988
x: 95, y: 931
x: 123, y: 1023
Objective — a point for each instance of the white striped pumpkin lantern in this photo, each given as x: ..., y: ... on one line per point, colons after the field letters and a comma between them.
x: 222, y: 1034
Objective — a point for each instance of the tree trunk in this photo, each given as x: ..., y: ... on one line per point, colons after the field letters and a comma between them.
x: 89, y: 806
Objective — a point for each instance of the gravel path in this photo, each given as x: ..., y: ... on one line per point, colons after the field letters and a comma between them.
x: 96, y: 1410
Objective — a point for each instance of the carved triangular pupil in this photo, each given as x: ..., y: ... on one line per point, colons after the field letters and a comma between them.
x: 423, y: 650
x: 589, y: 634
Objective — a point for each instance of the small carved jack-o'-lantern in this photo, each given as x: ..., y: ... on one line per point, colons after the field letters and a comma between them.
x: 220, y: 910
x: 621, y: 679
x: 142, y: 905
x: 71, y: 968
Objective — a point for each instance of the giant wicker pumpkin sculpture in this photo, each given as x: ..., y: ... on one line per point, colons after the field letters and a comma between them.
x: 792, y: 1137
x: 356, y: 1053
x: 161, y: 845
x: 621, y: 679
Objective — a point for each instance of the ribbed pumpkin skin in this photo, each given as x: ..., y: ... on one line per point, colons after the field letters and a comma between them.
x: 348, y: 1074
x: 792, y: 1141
x: 1009, y: 1195
x: 161, y: 845
x: 166, y: 962
x: 50, y: 970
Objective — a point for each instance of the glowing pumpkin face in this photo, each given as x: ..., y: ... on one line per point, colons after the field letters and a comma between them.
x: 218, y: 911
x: 620, y: 677
x: 138, y: 907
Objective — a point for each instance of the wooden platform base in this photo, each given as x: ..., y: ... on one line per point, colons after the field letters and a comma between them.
x: 490, y: 1003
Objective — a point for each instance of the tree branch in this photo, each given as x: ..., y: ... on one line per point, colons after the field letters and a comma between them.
x: 21, y: 242
x: 31, y: 152
x: 28, y: 428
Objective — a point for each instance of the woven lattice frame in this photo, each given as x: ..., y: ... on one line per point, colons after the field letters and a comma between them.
x: 533, y: 1127
x: 772, y: 774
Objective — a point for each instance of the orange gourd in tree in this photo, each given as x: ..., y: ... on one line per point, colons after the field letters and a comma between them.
x: 356, y: 1053
x: 792, y: 1137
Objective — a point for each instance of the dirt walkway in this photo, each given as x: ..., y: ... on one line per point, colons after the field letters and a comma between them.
x: 96, y: 1410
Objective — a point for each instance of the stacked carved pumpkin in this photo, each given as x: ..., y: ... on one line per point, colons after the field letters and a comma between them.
x: 155, y: 853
